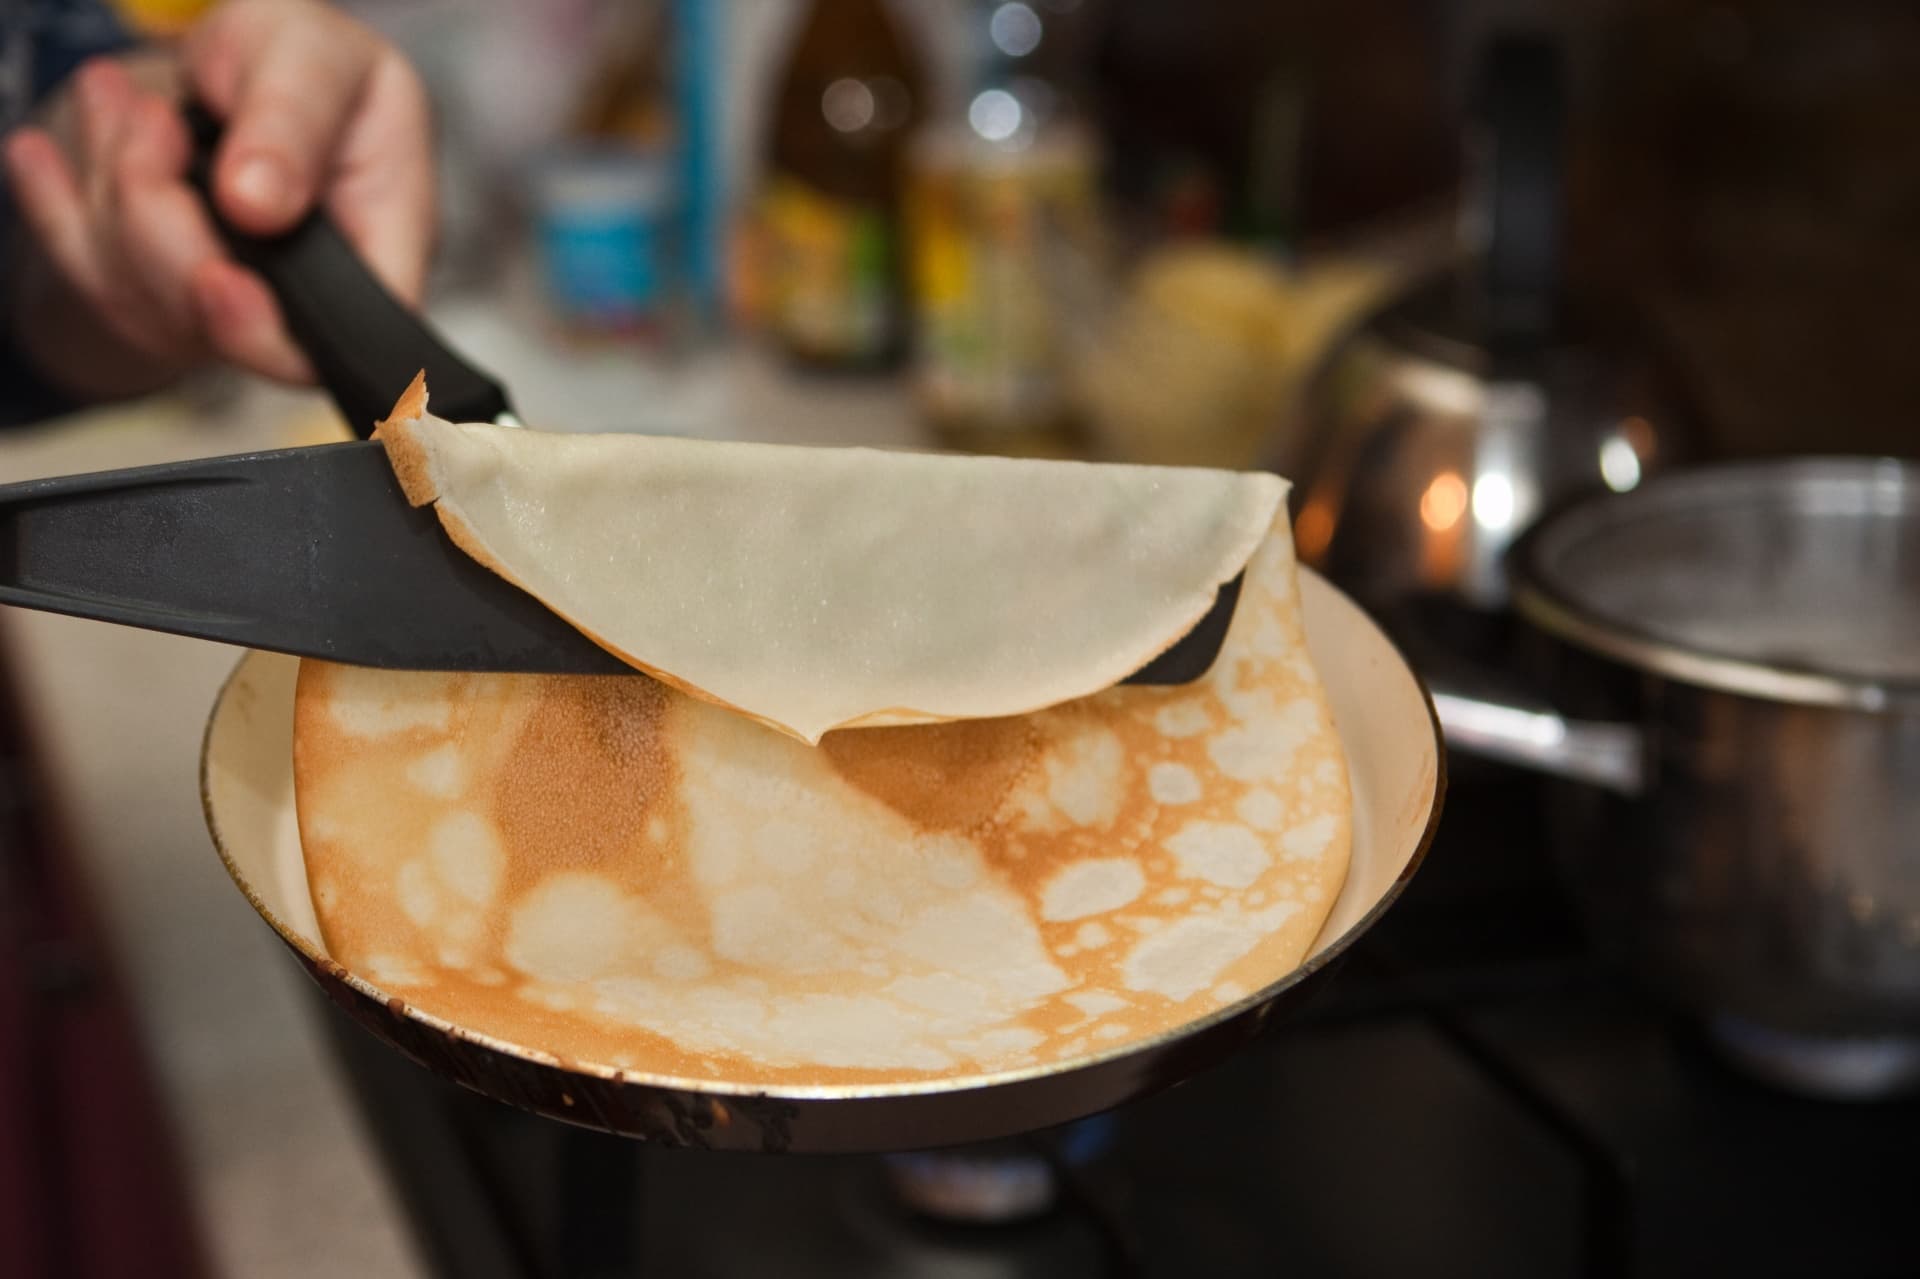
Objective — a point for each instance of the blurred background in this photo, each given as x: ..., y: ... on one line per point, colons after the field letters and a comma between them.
x: 1000, y: 206
x: 1000, y: 212
x: 1348, y: 242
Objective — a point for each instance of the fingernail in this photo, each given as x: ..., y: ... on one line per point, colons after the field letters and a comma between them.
x: 262, y: 182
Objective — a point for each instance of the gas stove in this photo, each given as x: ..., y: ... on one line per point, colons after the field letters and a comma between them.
x: 1475, y: 1095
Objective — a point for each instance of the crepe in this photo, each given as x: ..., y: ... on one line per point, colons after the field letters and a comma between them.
x: 816, y: 588
x: 612, y: 872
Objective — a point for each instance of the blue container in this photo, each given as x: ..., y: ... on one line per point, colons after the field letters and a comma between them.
x: 603, y: 221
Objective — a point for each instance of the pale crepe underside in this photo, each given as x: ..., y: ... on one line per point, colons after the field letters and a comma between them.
x: 818, y: 588
x: 612, y: 872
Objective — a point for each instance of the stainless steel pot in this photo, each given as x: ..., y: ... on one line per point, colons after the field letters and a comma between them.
x: 1732, y: 657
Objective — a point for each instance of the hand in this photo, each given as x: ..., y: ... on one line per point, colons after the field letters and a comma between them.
x: 130, y: 286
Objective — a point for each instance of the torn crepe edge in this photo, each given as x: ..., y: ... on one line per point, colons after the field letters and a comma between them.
x: 413, y: 468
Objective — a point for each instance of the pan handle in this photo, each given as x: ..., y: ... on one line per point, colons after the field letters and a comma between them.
x: 1600, y: 753
x: 365, y: 344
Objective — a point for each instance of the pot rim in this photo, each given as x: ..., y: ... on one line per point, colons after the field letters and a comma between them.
x: 1563, y: 614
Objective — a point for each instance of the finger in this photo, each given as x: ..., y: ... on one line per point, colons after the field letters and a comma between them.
x: 155, y: 144
x: 49, y: 199
x: 243, y: 322
x: 105, y: 95
x: 161, y: 230
x: 285, y: 127
x: 383, y: 195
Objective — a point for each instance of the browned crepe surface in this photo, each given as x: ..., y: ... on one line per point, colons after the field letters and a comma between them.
x: 612, y: 872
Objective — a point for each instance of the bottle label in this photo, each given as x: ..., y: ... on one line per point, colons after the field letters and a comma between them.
x: 830, y: 292
x: 997, y: 245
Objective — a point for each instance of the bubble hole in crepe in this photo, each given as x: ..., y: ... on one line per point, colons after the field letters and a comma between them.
x: 613, y: 872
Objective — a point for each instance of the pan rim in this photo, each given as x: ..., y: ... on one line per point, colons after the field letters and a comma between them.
x: 947, y: 1085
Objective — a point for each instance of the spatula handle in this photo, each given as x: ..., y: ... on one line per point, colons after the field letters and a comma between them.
x: 365, y: 344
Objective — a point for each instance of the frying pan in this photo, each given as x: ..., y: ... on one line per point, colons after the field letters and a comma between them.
x: 360, y: 339
x: 1397, y: 771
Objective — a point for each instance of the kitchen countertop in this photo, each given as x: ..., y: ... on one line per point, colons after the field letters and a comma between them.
x: 284, y: 1176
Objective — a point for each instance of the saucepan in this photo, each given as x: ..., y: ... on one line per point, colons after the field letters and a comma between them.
x: 1726, y: 682
x: 1395, y: 764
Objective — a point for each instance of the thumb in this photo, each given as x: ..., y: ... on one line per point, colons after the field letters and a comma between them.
x: 284, y: 126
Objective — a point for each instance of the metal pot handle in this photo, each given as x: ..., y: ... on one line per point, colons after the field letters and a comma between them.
x: 1597, y: 752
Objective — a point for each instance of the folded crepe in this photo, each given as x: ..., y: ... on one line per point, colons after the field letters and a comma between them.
x: 814, y: 589
x: 613, y: 872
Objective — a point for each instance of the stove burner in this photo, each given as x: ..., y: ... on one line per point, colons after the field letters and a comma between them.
x: 993, y: 1184
x: 991, y: 1187
x: 1852, y: 1069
